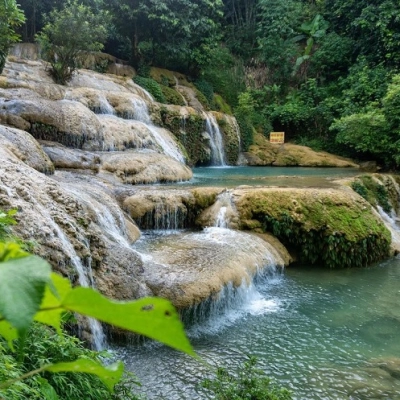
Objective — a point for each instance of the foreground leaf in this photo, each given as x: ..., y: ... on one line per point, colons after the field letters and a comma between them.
x: 152, y: 317
x: 54, y: 294
x: 22, y: 286
x: 8, y: 332
x: 110, y: 375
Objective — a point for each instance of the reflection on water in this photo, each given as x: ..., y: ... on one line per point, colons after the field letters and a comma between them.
x: 324, y: 334
x: 269, y: 176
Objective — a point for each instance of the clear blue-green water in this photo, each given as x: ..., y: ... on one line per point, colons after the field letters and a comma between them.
x: 325, y: 334
x: 281, y: 176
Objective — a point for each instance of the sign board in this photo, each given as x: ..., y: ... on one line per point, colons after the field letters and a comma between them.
x: 277, y: 137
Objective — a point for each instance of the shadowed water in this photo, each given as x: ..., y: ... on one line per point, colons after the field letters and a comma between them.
x: 325, y: 334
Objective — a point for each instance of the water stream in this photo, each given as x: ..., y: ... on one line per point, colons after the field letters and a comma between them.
x: 324, y: 334
x: 216, y: 141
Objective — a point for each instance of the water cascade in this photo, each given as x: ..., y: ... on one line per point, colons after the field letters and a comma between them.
x: 161, y: 136
x: 216, y: 140
x: 85, y: 280
x: 104, y: 107
x: 227, y: 210
x: 164, y: 217
x: 392, y: 223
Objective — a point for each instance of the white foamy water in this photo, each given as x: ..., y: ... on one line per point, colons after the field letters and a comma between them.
x: 216, y: 140
x: 161, y: 136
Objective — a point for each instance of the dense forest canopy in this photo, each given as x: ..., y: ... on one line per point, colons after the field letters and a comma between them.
x: 323, y: 71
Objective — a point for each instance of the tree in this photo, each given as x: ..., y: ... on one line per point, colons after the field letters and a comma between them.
x: 168, y: 33
x: 10, y: 18
x: 68, y: 35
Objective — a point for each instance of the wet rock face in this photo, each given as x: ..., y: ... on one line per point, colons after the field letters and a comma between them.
x: 23, y: 146
x: 190, y: 268
x: 68, y: 229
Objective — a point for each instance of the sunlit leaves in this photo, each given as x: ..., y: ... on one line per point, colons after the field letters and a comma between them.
x: 22, y: 286
x: 110, y: 375
x: 152, y: 317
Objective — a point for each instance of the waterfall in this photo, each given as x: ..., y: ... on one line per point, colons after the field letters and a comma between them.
x: 392, y: 224
x: 232, y: 303
x: 216, y: 140
x: 167, y: 144
x: 103, y: 107
x: 164, y: 217
x: 225, y: 209
x: 98, y: 335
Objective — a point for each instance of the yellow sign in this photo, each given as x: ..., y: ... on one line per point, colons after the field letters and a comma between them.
x: 277, y: 137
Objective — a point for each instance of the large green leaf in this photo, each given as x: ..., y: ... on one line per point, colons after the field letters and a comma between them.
x: 22, y: 286
x: 110, y: 375
x: 54, y: 294
x: 8, y: 332
x: 152, y: 317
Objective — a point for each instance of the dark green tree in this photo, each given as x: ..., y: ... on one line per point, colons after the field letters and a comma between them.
x: 68, y: 35
x: 10, y: 18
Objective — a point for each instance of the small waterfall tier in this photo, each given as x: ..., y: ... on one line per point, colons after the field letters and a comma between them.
x: 218, y: 157
x: 190, y: 268
x: 392, y: 223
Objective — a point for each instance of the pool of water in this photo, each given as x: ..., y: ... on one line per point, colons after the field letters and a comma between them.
x: 271, y: 176
x: 324, y: 334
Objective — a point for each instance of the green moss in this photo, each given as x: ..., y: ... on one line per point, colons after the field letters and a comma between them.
x: 172, y: 96
x: 232, y: 145
x: 219, y: 104
x: 335, y: 233
x: 152, y: 87
x: 189, y: 131
x: 373, y: 191
x: 202, y: 99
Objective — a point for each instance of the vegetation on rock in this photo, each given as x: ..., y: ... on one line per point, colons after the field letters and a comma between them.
x: 68, y: 34
x: 11, y: 17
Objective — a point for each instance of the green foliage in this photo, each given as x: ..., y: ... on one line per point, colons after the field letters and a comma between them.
x: 6, y: 221
x: 206, y: 89
x: 248, y: 383
x: 32, y: 292
x: 372, y: 191
x: 44, y: 347
x: 219, y: 104
x: 68, y: 34
x: 172, y: 96
x: 152, y: 87
x: 188, y: 130
x: 202, y: 99
x: 11, y: 17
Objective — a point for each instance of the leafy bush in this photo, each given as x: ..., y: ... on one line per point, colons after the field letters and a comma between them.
x: 11, y: 17
x: 152, y: 87
x: 69, y: 33
x: 206, y: 88
x: 248, y: 383
x: 30, y: 292
x: 172, y: 96
x: 202, y: 99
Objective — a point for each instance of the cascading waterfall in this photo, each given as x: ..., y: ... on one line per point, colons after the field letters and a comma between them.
x: 216, y: 141
x: 392, y: 223
x: 230, y: 304
x: 85, y: 280
x: 104, y: 107
x: 164, y: 217
x: 167, y: 144
x: 226, y: 209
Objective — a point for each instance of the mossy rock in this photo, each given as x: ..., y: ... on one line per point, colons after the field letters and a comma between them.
x: 172, y: 96
x: 328, y: 227
x: 219, y: 104
x: 189, y: 131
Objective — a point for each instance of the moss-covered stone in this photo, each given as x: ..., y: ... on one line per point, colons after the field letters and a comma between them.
x: 230, y: 131
x: 189, y: 131
x: 326, y: 226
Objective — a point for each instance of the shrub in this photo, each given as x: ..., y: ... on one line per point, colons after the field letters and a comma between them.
x: 68, y: 34
x: 206, y: 88
x: 152, y: 87
x: 248, y: 383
